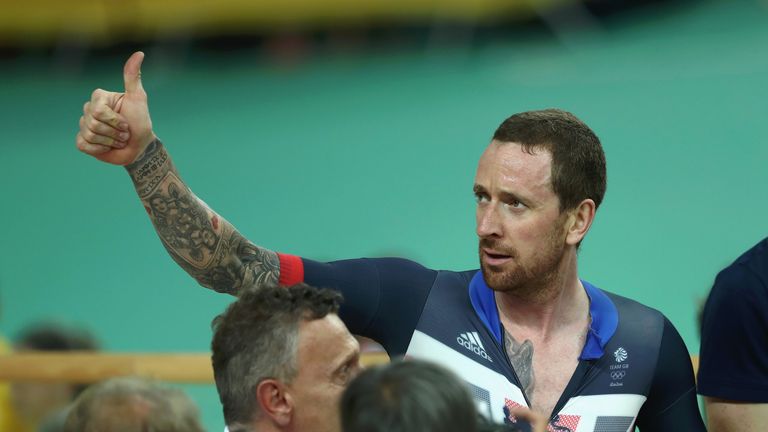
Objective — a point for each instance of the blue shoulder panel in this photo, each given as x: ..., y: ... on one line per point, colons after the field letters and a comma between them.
x: 605, y: 319
x: 484, y: 303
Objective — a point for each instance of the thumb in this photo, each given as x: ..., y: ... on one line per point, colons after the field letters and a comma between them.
x: 132, y: 73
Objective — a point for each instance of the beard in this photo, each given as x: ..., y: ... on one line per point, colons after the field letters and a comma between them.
x: 530, y: 279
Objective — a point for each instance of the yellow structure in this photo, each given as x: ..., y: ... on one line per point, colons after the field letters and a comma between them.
x: 102, y: 22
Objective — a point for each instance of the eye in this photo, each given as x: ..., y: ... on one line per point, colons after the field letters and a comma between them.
x: 345, y: 373
x: 350, y: 370
x: 480, y: 198
x: 514, y: 204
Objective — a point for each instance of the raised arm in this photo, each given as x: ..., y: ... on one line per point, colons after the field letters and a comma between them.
x: 116, y: 128
x: 204, y: 244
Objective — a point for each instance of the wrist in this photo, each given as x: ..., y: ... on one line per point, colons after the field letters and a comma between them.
x: 153, y: 147
x: 148, y: 171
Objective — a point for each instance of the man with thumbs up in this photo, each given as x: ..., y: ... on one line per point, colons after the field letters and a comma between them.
x: 523, y: 330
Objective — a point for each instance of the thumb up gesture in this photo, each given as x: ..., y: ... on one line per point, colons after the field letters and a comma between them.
x: 115, y: 127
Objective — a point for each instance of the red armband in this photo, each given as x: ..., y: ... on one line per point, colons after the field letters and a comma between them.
x: 291, y: 269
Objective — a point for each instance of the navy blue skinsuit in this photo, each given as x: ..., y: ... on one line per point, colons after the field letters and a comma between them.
x: 734, y: 331
x: 634, y: 369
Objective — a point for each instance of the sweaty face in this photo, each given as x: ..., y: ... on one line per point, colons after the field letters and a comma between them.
x: 519, y: 225
x: 328, y: 359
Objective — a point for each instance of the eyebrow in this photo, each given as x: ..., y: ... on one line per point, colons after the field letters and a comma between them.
x: 505, y: 196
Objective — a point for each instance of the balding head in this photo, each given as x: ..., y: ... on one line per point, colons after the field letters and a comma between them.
x: 133, y: 405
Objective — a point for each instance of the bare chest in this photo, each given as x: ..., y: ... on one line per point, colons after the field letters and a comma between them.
x: 552, y: 370
x: 544, y: 369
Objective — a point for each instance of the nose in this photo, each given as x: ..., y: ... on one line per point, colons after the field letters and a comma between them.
x: 488, y: 223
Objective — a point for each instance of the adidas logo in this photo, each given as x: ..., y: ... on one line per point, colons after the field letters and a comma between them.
x: 471, y: 341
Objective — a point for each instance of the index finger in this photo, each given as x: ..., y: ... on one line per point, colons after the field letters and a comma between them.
x: 103, y: 113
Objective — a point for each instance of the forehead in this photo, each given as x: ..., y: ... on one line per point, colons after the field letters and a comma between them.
x: 510, y: 166
x: 323, y: 342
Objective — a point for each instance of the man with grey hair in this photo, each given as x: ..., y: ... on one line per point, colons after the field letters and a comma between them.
x: 282, y: 358
x: 130, y: 404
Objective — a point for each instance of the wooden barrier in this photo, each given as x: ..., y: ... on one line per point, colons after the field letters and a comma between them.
x: 80, y: 367
x: 88, y: 367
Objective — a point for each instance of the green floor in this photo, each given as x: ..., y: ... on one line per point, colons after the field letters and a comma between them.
x: 346, y: 156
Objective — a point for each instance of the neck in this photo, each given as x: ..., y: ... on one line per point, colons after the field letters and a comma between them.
x: 559, y: 303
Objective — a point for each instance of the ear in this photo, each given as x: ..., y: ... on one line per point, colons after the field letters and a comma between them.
x: 275, y: 402
x: 579, y: 221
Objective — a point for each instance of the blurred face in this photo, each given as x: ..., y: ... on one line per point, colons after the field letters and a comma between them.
x: 328, y: 359
x: 35, y: 401
x: 519, y: 225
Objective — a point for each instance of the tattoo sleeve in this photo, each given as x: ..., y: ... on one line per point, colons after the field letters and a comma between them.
x: 521, y: 357
x: 204, y: 244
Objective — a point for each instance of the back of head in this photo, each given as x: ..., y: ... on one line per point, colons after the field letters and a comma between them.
x: 55, y: 337
x: 132, y: 405
x: 257, y: 338
x: 578, y: 160
x: 408, y: 396
x: 51, y: 336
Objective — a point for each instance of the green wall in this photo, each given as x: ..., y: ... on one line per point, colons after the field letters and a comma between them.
x: 374, y: 154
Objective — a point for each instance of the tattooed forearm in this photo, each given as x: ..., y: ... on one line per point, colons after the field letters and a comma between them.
x: 147, y: 172
x: 204, y: 244
x: 521, y: 356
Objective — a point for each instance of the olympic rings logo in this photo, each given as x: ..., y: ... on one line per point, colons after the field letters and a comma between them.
x: 617, y: 375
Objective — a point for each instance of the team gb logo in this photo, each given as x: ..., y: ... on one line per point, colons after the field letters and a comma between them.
x: 620, y: 354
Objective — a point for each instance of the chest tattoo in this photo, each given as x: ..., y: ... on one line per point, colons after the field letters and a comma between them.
x: 521, y: 356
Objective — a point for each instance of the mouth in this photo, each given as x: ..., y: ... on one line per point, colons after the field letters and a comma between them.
x: 494, y: 258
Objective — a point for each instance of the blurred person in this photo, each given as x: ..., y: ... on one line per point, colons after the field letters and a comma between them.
x: 282, y: 358
x: 523, y: 329
x: 733, y: 360
x: 417, y: 396
x: 131, y: 404
x: 9, y: 420
x: 32, y: 403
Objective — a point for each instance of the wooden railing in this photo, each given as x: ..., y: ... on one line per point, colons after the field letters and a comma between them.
x: 82, y: 367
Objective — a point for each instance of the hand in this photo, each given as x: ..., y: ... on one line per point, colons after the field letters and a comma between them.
x: 535, y: 421
x: 115, y: 127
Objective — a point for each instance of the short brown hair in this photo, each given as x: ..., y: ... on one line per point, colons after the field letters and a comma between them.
x: 257, y: 338
x: 578, y: 160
